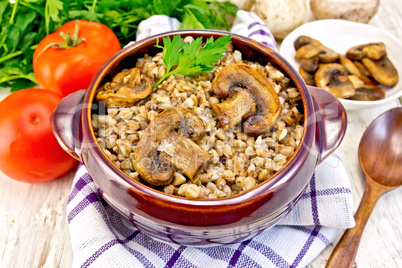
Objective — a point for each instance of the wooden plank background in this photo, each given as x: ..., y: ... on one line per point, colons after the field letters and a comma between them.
x: 34, y: 229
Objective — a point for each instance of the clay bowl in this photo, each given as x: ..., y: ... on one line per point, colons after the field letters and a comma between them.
x: 202, y: 222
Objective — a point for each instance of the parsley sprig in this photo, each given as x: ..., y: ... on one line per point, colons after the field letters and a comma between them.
x: 190, y: 58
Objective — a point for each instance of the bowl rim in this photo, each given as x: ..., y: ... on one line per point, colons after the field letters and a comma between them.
x: 298, y: 158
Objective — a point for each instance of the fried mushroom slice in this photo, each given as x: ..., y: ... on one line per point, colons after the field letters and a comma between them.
x: 354, y: 69
x: 307, y: 52
x: 307, y: 76
x: 310, y: 47
x: 368, y: 93
x: 383, y: 71
x: 167, y: 145
x: 268, y: 107
x: 126, y: 89
x: 374, y: 51
x: 330, y: 77
x: 309, y: 65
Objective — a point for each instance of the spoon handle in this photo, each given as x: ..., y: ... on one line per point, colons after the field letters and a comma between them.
x: 344, y: 253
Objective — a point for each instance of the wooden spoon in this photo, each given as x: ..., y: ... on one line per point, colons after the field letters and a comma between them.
x: 380, y: 155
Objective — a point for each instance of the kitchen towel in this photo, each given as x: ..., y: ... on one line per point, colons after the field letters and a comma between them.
x: 100, y: 238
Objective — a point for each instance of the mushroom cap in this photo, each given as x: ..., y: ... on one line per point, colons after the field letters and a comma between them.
x: 309, y: 65
x: 127, y: 88
x: 260, y: 89
x: 167, y: 145
x: 303, y: 40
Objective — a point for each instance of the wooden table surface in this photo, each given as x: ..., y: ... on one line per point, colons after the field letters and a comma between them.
x: 33, y: 223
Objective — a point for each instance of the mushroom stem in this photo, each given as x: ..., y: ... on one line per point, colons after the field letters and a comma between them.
x: 233, y: 110
x: 184, y: 154
x: 256, y: 83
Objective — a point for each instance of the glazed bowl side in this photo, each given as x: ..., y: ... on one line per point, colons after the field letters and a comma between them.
x: 263, y: 201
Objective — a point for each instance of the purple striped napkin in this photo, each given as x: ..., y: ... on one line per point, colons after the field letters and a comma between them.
x: 100, y: 238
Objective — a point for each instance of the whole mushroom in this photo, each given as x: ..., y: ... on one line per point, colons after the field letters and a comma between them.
x: 282, y: 17
x: 352, y: 10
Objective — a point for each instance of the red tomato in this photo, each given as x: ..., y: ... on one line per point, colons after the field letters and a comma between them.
x: 29, y: 151
x: 65, y: 70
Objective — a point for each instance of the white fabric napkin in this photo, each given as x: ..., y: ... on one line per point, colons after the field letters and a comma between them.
x: 100, y: 238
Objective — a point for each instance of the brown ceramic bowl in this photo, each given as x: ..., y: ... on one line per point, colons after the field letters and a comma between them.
x: 202, y: 222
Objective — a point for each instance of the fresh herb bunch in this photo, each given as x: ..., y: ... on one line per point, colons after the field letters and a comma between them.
x: 24, y: 23
x: 191, y: 58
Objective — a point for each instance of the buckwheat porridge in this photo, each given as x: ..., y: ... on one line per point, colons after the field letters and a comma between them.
x: 210, y: 135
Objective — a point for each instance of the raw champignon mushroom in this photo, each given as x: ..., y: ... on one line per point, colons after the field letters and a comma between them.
x: 383, y: 71
x: 282, y: 17
x: 332, y: 77
x: 368, y: 93
x: 374, y: 51
x: 353, y: 10
x: 259, y: 91
x: 168, y: 145
x: 127, y: 88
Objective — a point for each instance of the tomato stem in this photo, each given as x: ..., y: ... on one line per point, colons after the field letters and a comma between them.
x: 68, y: 41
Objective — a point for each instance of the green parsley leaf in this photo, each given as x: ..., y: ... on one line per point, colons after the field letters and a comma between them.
x: 24, y: 23
x: 171, y: 50
x: 191, y: 58
x: 52, y: 10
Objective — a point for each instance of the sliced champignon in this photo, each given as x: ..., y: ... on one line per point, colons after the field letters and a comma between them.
x: 368, y: 93
x: 232, y: 111
x: 356, y: 81
x: 303, y: 40
x: 383, y: 71
x: 167, y: 145
x: 307, y: 76
x: 127, y: 88
x: 309, y: 65
x: 329, y: 77
x: 268, y: 108
x: 310, y: 47
x: 307, y: 52
x: 374, y: 51
x: 363, y: 69
x: 352, y: 68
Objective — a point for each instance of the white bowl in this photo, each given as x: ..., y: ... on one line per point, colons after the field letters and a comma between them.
x: 340, y: 35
